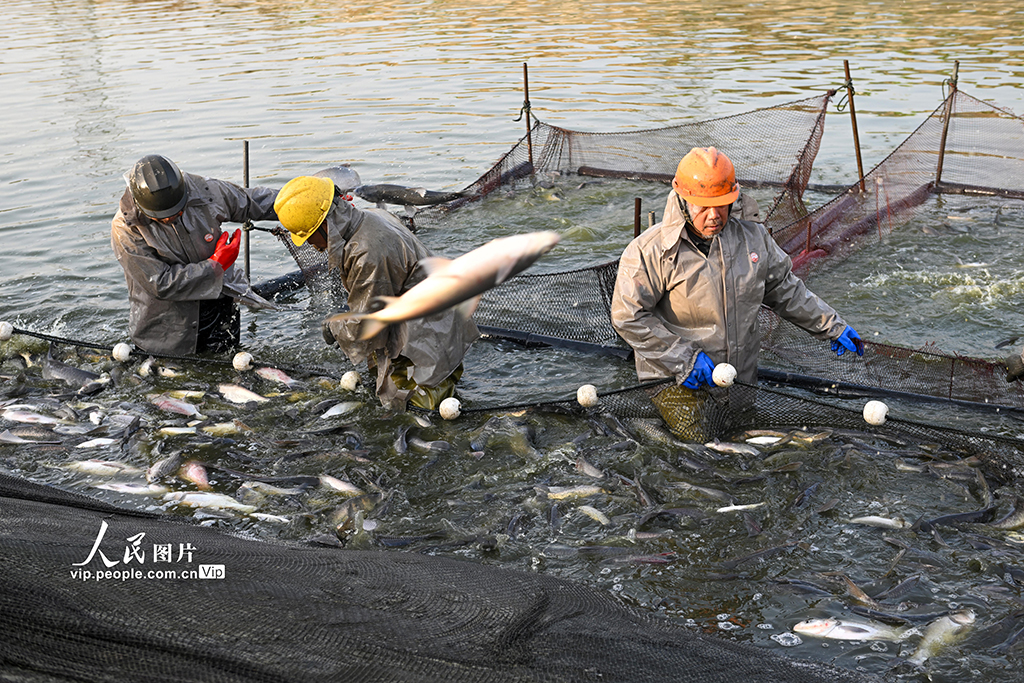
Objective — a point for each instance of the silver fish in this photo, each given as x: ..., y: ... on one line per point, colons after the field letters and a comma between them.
x: 134, y: 488
x: 101, y: 468
x: 572, y: 492
x: 343, y: 408
x: 30, y: 417
x: 595, y: 514
x: 237, y: 394
x: 207, y: 499
x: 942, y: 632
x: 97, y: 443
x: 838, y: 629
x: 881, y: 522
x: 732, y: 448
x: 339, y: 485
x: 452, y: 282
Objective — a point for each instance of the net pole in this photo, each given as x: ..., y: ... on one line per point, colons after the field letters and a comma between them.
x: 526, y: 110
x: 245, y: 184
x: 853, y: 120
x: 636, y: 217
x: 945, y: 122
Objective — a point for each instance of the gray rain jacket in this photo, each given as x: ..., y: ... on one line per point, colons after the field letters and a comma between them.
x: 167, y: 266
x: 377, y: 256
x: 671, y: 301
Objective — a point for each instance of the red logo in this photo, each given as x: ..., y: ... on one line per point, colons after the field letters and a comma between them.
x: 208, y: 238
x: 753, y: 257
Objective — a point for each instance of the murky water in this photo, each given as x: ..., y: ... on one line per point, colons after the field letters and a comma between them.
x: 426, y: 94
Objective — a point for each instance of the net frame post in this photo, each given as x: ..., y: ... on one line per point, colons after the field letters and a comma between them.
x: 853, y: 120
x: 945, y: 122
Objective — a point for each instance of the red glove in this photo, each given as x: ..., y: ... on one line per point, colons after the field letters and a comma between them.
x: 227, y: 250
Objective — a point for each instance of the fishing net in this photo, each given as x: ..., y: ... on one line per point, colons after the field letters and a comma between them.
x: 965, y: 146
x: 95, y: 592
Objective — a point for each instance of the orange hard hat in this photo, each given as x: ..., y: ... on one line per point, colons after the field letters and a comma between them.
x: 706, y: 177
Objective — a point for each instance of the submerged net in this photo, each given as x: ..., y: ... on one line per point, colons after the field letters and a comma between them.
x: 82, y: 601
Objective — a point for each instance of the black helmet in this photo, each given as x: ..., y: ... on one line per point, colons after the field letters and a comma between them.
x: 158, y: 186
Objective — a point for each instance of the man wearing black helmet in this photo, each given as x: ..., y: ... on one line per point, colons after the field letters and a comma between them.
x: 177, y: 262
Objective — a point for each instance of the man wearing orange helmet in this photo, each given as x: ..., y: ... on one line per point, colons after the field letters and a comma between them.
x: 689, y: 289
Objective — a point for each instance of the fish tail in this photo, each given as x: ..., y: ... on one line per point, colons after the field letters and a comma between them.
x: 370, y: 328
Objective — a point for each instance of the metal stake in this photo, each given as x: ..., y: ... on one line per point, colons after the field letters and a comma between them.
x: 853, y: 118
x: 245, y: 184
x: 945, y: 122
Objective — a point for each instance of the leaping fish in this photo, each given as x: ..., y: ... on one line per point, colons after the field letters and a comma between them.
x: 453, y: 282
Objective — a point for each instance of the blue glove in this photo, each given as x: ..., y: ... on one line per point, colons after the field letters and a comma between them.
x: 702, y: 371
x: 849, y: 340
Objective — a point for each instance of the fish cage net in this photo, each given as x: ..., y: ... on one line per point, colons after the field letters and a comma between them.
x: 966, y: 146
x: 86, y: 597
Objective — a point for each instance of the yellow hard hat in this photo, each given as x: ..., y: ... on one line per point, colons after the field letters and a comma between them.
x: 302, y: 204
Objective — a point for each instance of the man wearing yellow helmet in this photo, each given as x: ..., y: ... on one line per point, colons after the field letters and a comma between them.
x: 178, y: 264
x: 417, y: 361
x: 689, y: 289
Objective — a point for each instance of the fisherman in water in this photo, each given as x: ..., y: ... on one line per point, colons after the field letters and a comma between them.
x: 177, y: 262
x: 417, y: 361
x: 688, y: 291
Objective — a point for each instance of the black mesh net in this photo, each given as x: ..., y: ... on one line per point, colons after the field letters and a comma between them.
x: 964, y: 146
x: 87, y: 597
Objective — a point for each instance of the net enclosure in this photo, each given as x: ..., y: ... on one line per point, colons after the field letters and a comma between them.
x: 92, y: 592
x: 965, y: 146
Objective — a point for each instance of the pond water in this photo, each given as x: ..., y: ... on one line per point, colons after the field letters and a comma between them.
x: 426, y: 94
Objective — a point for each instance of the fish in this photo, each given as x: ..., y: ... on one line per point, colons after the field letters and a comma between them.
x: 344, y: 517
x: 595, y: 514
x: 764, y: 440
x: 164, y: 467
x: 731, y: 448
x: 134, y: 488
x: 225, y: 428
x: 942, y: 632
x: 882, y: 522
x: 339, y: 485
x: 344, y: 177
x: 101, y: 468
x: 452, y: 282
x: 270, y: 489
x: 207, y: 499
x: 1013, y: 520
x: 175, y: 405
x: 53, y: 369
x: 739, y: 508
x: 237, y: 394
x: 30, y: 417
x: 572, y: 492
x: 8, y: 437
x: 384, y: 193
x: 98, y: 443
x: 586, y: 468
x: 279, y: 376
x: 186, y: 393
x: 343, y: 408
x: 841, y: 629
x: 176, y: 431
x: 195, y: 473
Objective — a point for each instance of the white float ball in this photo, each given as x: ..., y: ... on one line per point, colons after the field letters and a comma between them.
x: 875, y: 412
x: 349, y: 381
x: 587, y: 395
x: 6, y: 331
x: 121, y: 352
x: 450, y: 408
x: 242, y: 361
x: 724, y: 375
